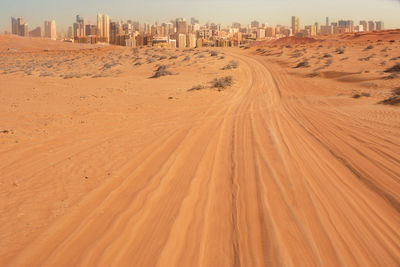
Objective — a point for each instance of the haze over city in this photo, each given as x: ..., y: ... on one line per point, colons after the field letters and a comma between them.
x: 200, y: 133
x: 221, y: 11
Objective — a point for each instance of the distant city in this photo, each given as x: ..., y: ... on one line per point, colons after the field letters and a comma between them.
x: 181, y: 33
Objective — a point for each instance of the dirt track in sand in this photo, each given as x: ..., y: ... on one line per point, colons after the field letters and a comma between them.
x: 269, y: 174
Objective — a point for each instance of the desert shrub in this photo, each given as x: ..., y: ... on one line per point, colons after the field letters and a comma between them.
x: 222, y: 83
x: 393, y: 100
x: 231, y: 65
x: 101, y: 75
x: 394, y: 69
x: 365, y: 94
x: 356, y: 95
x: 392, y: 41
x: 339, y: 50
x: 390, y: 77
x: 138, y: 63
x: 162, y: 70
x: 163, y: 57
x: 197, y: 87
x: 303, y: 64
x: 201, y: 56
x: 297, y: 55
x: 369, y: 47
x: 46, y: 74
x: 187, y: 58
x: 150, y: 60
x: 326, y: 55
x: 394, y: 58
x: 173, y: 57
x: 396, y: 91
x: 214, y: 53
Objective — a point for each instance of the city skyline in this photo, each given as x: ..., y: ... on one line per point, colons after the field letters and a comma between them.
x: 275, y: 12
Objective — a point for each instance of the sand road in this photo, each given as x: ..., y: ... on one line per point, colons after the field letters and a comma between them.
x: 273, y: 175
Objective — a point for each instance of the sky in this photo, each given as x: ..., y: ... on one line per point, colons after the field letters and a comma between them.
x: 220, y: 11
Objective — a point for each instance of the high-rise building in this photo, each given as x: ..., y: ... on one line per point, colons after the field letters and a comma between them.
x: 90, y: 30
x: 365, y: 25
x: 37, y: 32
x: 181, y: 26
x: 255, y: 24
x: 181, y: 40
x: 103, y: 27
x: 311, y: 30
x: 316, y: 24
x: 14, y: 26
x: 348, y: 24
x: 79, y: 26
x: 236, y: 25
x: 19, y: 27
x: 50, y: 29
x: 115, y: 31
x: 270, y: 32
x: 295, y: 24
x: 327, y: 21
x: 371, y: 25
x: 380, y: 25
x: 260, y: 33
x: 194, y: 21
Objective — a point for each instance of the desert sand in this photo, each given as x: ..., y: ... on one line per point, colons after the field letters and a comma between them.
x: 291, y: 165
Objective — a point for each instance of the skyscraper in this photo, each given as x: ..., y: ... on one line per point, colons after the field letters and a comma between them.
x: 103, y: 26
x: 371, y: 25
x: 255, y: 24
x: 365, y: 25
x: 14, y: 26
x: 181, y: 26
x: 327, y: 21
x: 295, y: 24
x: 380, y: 25
x: 79, y: 26
x: 50, y: 29
x: 19, y: 27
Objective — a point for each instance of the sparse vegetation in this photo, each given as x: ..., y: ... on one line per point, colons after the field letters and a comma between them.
x: 303, y: 64
x: 214, y: 53
x: 339, y: 50
x: 369, y: 47
x: 222, y: 83
x: 197, y: 87
x: 394, y: 69
x: 356, y: 95
x: 161, y: 70
x: 231, y: 65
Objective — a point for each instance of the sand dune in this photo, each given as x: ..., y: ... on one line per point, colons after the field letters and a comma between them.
x: 123, y: 170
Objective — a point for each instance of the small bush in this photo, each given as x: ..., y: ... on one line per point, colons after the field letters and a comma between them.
x: 369, y: 47
x: 173, y: 57
x: 339, y: 50
x: 162, y: 70
x: 326, y: 55
x: 231, y: 65
x: 163, y: 57
x: 303, y: 64
x: 394, y: 69
x: 365, y: 94
x: 214, y: 53
x: 396, y: 91
x: 356, y: 96
x: 393, y: 100
x: 187, y: 58
x: 222, y: 83
x: 197, y: 87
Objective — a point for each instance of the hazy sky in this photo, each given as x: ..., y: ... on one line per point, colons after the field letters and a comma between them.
x: 220, y: 11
